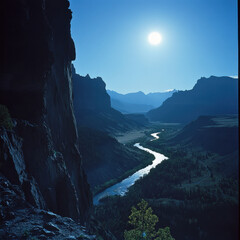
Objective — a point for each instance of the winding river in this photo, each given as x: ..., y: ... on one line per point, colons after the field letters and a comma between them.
x: 122, y: 187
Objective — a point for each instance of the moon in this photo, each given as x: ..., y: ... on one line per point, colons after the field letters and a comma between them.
x: 154, y: 38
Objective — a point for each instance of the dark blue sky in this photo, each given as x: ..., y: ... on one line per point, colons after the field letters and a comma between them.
x: 199, y: 39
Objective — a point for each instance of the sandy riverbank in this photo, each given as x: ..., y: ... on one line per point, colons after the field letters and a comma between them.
x: 131, y: 136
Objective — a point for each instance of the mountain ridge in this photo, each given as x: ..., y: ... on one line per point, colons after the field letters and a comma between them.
x: 138, y: 102
x: 92, y: 106
x: 209, y: 96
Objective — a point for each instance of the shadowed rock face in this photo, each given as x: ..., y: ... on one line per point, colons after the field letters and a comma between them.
x: 35, y: 85
x: 92, y: 106
x: 20, y: 220
x: 90, y: 93
x: 210, y: 96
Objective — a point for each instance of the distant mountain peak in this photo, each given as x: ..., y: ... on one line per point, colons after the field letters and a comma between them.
x: 236, y: 77
x: 169, y: 90
x: 138, y: 102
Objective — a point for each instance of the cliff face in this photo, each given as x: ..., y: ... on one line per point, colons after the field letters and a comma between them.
x: 210, y: 96
x: 92, y: 106
x: 35, y: 85
x: 90, y: 93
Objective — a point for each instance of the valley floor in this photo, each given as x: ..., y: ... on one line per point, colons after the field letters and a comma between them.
x: 195, y: 192
x: 131, y: 136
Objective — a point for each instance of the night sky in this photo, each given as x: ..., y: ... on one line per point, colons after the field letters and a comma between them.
x: 199, y: 38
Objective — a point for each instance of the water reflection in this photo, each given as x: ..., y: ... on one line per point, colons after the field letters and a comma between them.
x: 122, y: 187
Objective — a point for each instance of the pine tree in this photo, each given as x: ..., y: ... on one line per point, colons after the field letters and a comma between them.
x: 144, y: 221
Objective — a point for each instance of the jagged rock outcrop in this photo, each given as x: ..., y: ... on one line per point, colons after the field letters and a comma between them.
x: 35, y: 85
x: 209, y: 96
x: 92, y: 106
x: 13, y: 166
x: 20, y: 220
x: 90, y: 93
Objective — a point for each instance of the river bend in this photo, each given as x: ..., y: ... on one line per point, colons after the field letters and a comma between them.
x: 122, y: 187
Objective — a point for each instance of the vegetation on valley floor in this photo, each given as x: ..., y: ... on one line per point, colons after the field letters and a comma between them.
x: 193, y: 193
x: 106, y: 161
x: 147, y: 160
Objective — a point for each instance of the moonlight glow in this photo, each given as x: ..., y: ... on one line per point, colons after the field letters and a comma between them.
x: 154, y: 38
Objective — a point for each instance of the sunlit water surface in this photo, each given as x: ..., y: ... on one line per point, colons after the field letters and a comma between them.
x: 122, y: 187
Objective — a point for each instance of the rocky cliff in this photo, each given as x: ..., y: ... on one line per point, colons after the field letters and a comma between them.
x: 23, y: 221
x: 92, y: 106
x: 41, y: 154
x: 90, y: 93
